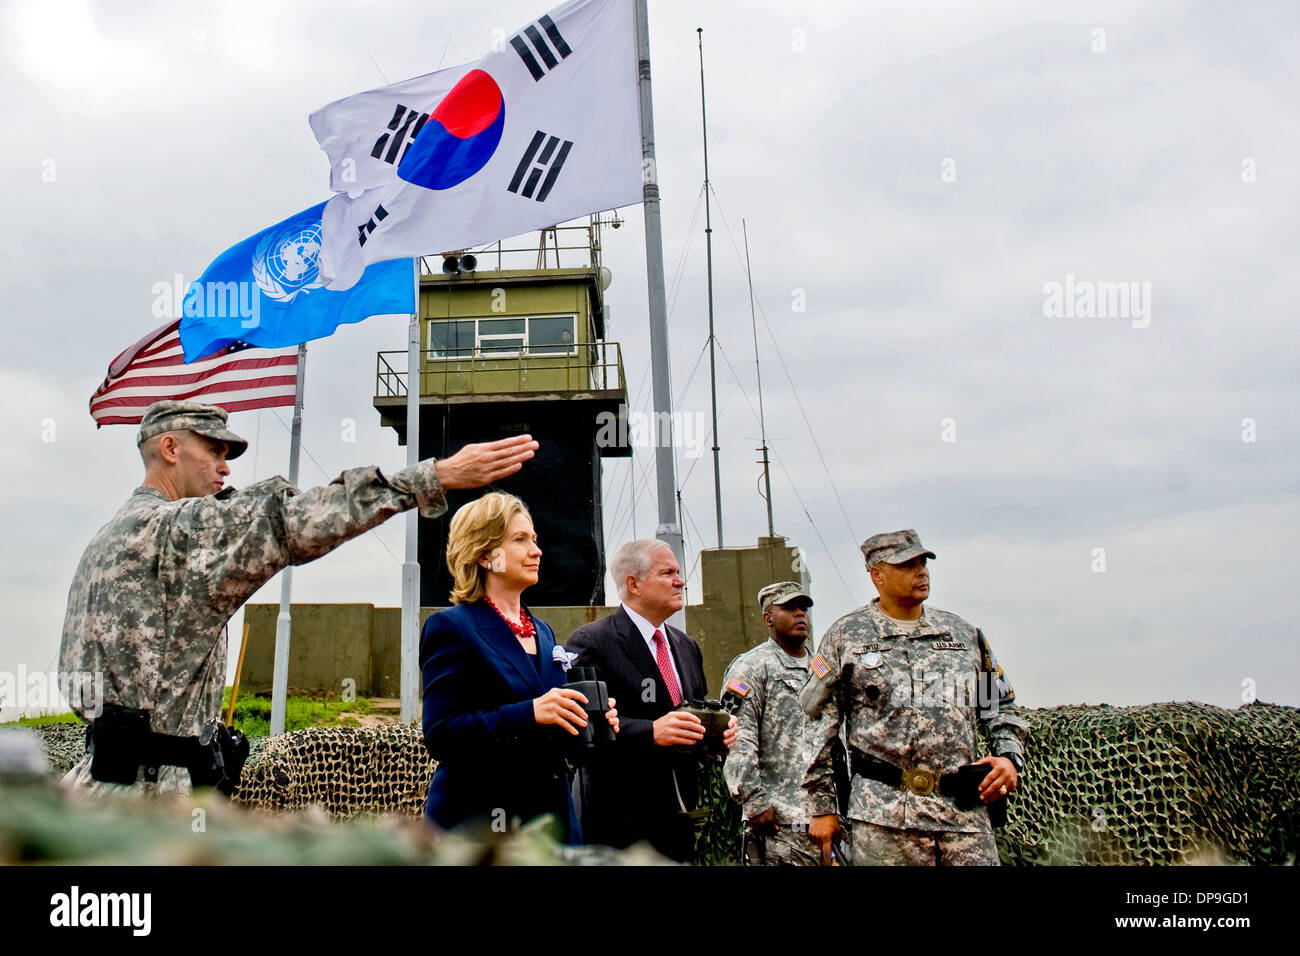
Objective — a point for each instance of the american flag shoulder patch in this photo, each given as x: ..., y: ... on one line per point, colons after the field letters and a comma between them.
x: 738, y: 687
x: 820, y: 667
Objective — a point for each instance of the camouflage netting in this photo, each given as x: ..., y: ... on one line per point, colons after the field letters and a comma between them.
x: 345, y: 771
x: 1161, y: 783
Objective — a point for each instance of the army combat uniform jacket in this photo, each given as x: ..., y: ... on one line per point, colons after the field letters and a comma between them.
x: 149, y: 602
x: 765, y: 767
x: 911, y: 700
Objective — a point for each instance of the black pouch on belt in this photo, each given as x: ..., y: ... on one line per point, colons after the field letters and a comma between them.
x: 967, y: 793
x: 219, y: 758
x: 117, y: 740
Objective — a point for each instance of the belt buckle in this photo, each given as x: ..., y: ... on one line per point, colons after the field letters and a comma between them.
x: 920, y: 782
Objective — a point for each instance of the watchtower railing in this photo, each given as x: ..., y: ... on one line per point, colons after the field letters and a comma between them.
x: 508, y: 369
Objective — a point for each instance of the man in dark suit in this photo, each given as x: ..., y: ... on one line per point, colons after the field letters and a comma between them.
x: 640, y: 788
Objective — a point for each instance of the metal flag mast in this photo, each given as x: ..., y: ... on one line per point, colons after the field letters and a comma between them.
x: 284, y: 620
x: 411, y: 566
x: 708, y: 247
x: 669, y: 529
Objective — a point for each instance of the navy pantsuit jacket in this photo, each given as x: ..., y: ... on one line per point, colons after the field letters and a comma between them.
x: 494, y: 761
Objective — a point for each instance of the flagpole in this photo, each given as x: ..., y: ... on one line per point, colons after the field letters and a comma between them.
x: 284, y: 621
x: 669, y: 529
x: 411, y: 568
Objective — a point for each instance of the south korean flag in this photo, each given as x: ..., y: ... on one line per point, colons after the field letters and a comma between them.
x: 543, y: 129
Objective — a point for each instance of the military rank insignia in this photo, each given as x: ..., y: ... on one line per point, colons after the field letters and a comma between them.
x: 738, y: 687
x: 820, y: 667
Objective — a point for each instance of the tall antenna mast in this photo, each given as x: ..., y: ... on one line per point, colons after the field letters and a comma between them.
x: 708, y: 246
x: 762, y: 426
x: 669, y: 529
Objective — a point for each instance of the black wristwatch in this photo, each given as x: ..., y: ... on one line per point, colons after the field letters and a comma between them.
x: 1017, y: 761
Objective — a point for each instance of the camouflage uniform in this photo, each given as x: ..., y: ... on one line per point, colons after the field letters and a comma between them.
x: 766, y: 765
x: 909, y: 700
x: 155, y: 587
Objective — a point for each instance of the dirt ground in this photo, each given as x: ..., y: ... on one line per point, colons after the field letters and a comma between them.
x: 387, y: 710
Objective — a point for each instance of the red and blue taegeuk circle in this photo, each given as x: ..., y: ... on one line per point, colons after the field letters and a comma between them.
x: 459, y: 137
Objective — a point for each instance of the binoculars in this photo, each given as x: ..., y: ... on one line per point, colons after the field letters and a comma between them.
x: 716, y: 718
x: 598, y: 732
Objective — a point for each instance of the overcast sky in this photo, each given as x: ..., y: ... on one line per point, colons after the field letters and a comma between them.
x: 915, y: 176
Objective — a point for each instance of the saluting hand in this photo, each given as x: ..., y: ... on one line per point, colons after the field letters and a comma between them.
x: 559, y: 706
x: 485, y: 462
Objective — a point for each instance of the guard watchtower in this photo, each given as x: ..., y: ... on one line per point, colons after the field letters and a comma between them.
x: 507, y: 351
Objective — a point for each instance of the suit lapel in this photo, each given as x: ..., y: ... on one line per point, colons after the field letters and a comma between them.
x: 639, y: 654
x: 684, y: 656
x: 546, y: 654
x: 501, y: 641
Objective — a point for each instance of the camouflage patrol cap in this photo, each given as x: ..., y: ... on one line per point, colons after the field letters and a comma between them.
x: 783, y: 592
x: 894, y: 547
x: 209, y: 420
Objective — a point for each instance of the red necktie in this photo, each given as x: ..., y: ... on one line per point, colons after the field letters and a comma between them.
x: 666, y: 667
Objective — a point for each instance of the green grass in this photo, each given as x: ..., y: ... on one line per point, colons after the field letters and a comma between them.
x: 44, y: 719
x: 253, y: 713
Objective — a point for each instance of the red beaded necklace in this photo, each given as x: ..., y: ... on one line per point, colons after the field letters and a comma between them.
x: 524, y: 629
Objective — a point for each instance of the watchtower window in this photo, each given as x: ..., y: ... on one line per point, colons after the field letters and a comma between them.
x: 451, y: 339
x: 503, y: 337
x: 551, y: 335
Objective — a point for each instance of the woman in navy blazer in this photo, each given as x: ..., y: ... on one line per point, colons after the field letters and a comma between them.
x: 495, y: 713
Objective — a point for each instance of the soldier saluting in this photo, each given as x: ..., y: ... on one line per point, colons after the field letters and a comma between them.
x: 151, y: 596
x: 911, y: 687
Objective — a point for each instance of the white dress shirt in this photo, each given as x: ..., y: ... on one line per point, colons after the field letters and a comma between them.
x: 648, y: 635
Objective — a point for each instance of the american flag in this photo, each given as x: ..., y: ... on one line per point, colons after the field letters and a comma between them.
x: 237, y: 378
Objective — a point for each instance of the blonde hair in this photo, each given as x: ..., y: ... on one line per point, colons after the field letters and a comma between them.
x: 476, y: 529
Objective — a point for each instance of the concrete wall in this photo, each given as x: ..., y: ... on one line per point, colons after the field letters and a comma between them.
x: 728, y: 621
x: 331, y: 642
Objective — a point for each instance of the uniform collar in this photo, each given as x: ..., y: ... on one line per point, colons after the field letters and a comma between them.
x: 789, y: 660
x: 888, y: 626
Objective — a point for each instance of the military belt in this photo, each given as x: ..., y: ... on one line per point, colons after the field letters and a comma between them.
x: 121, y: 743
x: 961, y: 787
x: 792, y: 827
x: 916, y: 779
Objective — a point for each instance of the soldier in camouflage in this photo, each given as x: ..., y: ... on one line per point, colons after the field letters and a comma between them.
x: 911, y: 688
x: 150, y: 599
x: 765, y: 768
